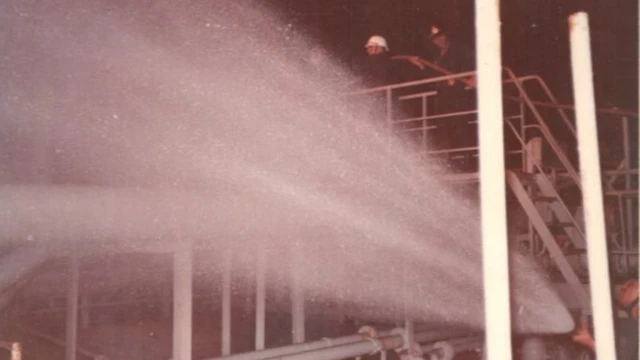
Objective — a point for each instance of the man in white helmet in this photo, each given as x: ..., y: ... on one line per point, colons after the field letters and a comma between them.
x: 376, y: 45
x: 377, y: 68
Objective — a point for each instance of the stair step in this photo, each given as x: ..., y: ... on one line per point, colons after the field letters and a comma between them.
x: 525, y: 178
x: 565, y: 224
x: 575, y: 252
x: 544, y: 198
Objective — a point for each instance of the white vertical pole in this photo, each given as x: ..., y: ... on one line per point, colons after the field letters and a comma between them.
x: 297, y: 302
x: 182, y: 304
x: 495, y: 252
x: 591, y: 184
x: 261, y: 299
x: 72, y: 309
x: 226, y: 302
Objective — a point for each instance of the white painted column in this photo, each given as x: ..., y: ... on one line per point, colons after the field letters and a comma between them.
x: 261, y: 299
x: 72, y: 309
x: 182, y: 304
x: 297, y: 302
x: 495, y: 252
x: 226, y: 302
x: 597, y: 254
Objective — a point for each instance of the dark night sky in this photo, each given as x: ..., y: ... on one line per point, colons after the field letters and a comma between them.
x: 535, y: 35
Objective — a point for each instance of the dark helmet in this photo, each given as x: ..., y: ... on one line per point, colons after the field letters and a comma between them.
x: 436, y: 30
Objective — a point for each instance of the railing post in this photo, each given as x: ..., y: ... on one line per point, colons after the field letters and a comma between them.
x: 597, y: 254
x: 72, y: 308
x: 297, y: 301
x: 261, y: 298
x: 627, y: 241
x: 182, y: 303
x: 226, y: 301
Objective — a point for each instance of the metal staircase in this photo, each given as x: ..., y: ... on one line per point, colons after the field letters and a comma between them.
x: 543, y: 231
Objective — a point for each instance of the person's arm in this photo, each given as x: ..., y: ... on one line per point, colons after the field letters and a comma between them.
x: 583, y: 337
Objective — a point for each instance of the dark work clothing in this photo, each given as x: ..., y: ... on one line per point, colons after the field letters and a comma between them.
x: 627, y: 339
x: 455, y: 131
x: 382, y: 69
x: 377, y: 70
x: 458, y: 58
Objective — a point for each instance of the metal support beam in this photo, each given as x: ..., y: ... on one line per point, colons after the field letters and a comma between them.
x: 72, y: 309
x: 591, y: 184
x: 226, y: 302
x: 182, y: 304
x: 495, y: 252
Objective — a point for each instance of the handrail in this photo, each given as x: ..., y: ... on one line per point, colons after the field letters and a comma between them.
x: 555, y: 105
x: 524, y: 98
x: 553, y: 99
x: 546, y: 179
x: 447, y: 75
x: 546, y: 131
x: 425, y: 81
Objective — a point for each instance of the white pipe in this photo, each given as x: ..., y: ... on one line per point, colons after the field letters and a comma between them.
x: 592, y: 185
x: 297, y: 302
x: 495, y: 257
x: 182, y: 304
x: 367, y: 346
x: 261, y: 299
x: 72, y: 309
x: 226, y: 302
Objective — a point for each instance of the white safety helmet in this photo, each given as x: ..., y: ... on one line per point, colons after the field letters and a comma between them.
x: 377, y: 40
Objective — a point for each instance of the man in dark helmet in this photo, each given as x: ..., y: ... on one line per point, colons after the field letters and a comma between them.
x: 454, y: 95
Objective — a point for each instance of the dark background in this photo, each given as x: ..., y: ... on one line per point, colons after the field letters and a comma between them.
x: 535, y: 38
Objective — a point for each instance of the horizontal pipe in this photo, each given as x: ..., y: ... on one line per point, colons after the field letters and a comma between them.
x: 297, y: 348
x: 351, y: 345
x: 360, y: 348
x: 370, y: 346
